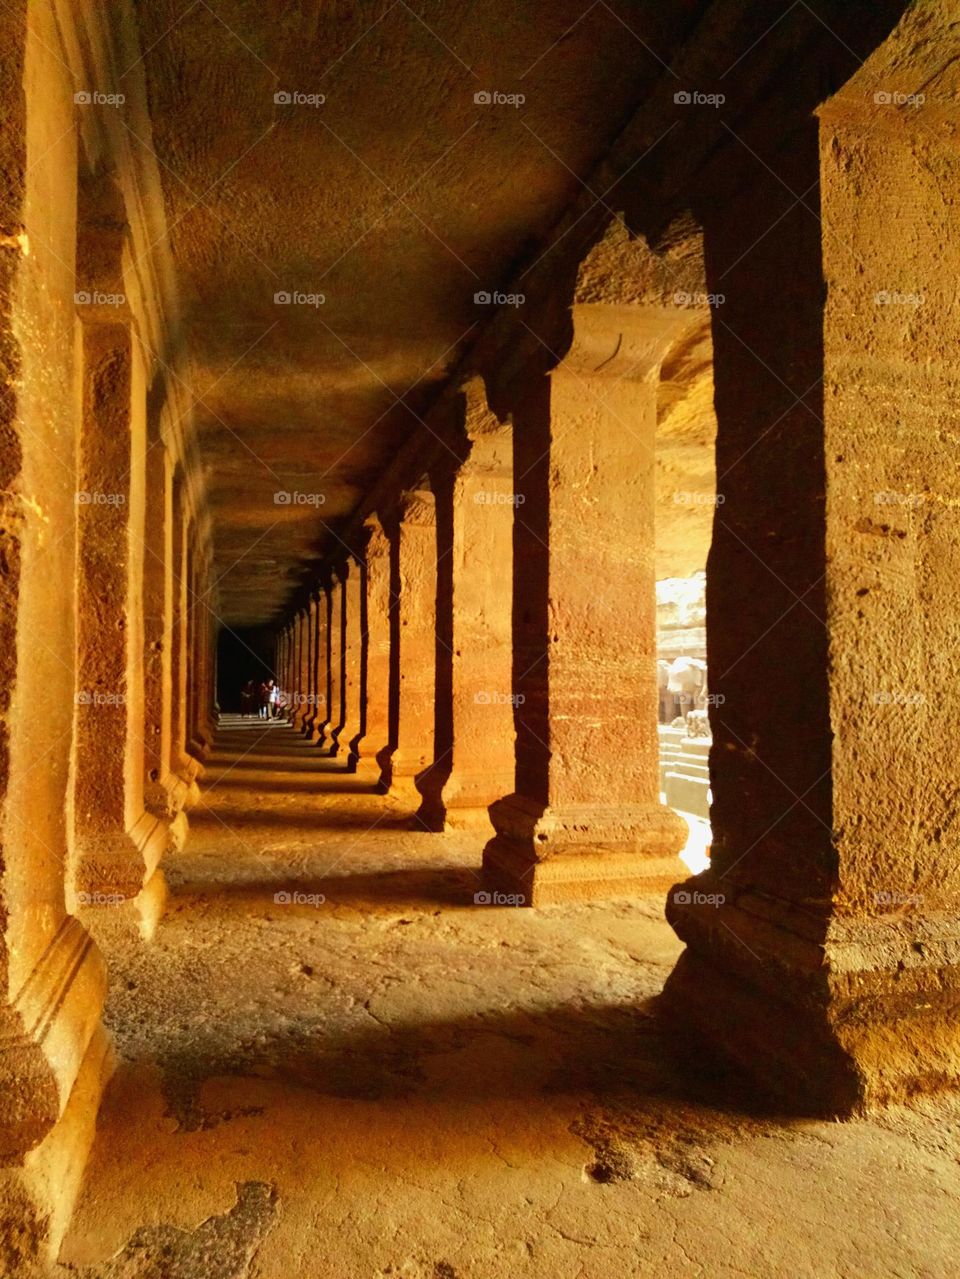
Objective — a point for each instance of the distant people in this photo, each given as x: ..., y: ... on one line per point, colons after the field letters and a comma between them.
x: 263, y: 700
x: 274, y: 696
x: 248, y: 699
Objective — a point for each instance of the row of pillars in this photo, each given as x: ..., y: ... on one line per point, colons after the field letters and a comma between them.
x: 418, y: 663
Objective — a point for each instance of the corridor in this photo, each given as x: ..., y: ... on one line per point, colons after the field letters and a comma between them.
x: 391, y: 1079
x: 479, y: 639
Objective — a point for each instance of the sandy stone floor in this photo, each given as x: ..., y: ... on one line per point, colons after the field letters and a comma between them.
x: 395, y: 1081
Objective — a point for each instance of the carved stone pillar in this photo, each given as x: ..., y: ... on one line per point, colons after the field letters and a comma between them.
x: 118, y: 843
x: 474, y: 762
x: 164, y: 792
x: 315, y: 709
x: 290, y: 668
x: 335, y: 712
x: 585, y: 819
x: 413, y: 644
x: 182, y: 764
x: 279, y: 664
x: 302, y: 673
x: 352, y: 729
x: 54, y: 1052
x: 375, y: 646
x: 823, y: 944
x: 323, y: 727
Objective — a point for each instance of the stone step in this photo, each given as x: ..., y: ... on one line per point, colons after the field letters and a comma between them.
x: 691, y: 794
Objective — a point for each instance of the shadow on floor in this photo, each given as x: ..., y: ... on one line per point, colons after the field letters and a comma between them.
x: 384, y: 890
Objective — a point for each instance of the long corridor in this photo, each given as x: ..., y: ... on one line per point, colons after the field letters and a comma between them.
x: 336, y: 1063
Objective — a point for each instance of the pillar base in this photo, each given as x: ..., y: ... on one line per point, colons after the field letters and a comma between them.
x: 582, y: 852
x: 831, y: 1016
x: 45, y: 1034
x: 403, y: 790
x: 38, y: 1193
x: 118, y: 876
x: 459, y: 801
x: 398, y: 779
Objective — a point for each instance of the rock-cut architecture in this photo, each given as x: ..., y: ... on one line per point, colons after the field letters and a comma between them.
x: 479, y: 638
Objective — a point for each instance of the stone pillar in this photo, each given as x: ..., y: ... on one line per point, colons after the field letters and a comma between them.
x: 164, y: 792
x: 585, y: 819
x: 54, y: 1053
x: 289, y: 649
x: 308, y: 660
x: 301, y: 677
x: 474, y: 759
x: 413, y: 535
x: 279, y: 663
x: 315, y: 711
x: 199, y: 671
x: 205, y: 652
x: 337, y: 715
x: 823, y: 942
x: 182, y: 764
x: 324, y: 725
x: 118, y: 844
x: 375, y: 645
x: 352, y: 730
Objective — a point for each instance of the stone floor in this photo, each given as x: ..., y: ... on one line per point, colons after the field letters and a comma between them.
x: 385, y: 1078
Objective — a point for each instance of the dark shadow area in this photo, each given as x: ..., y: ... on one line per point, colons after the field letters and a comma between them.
x: 615, y: 1054
x: 238, y: 819
x: 323, y: 783
x: 242, y: 656
x: 424, y: 888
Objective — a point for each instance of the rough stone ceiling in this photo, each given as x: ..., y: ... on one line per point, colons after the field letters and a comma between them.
x: 397, y: 199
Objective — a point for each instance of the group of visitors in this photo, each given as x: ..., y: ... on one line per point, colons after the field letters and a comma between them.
x: 263, y: 700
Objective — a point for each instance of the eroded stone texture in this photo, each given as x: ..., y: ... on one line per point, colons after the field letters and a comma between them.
x: 515, y: 1110
x: 413, y: 643
x: 336, y: 712
x: 375, y: 640
x: 586, y: 818
x: 321, y: 734
x: 52, y: 977
x: 348, y: 739
x: 341, y: 1056
x: 828, y: 969
x: 474, y: 736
